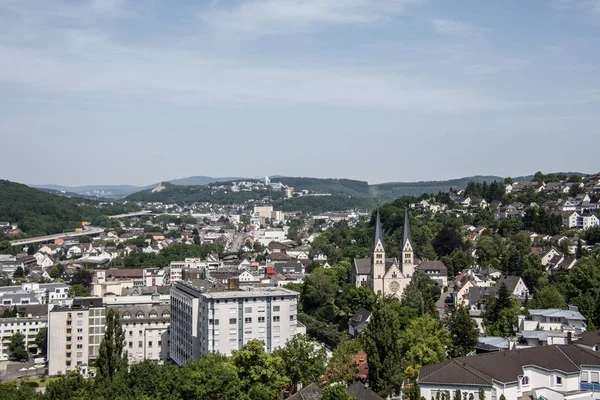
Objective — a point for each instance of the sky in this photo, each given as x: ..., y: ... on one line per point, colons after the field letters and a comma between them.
x: 136, y: 92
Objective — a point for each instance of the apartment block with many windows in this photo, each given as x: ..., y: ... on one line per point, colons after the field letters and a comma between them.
x: 209, y: 319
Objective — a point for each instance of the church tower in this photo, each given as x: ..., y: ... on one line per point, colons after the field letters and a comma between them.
x: 378, y: 257
x: 407, y: 249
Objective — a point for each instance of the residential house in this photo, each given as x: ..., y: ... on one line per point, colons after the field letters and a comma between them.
x: 358, y: 322
x: 558, y: 372
x: 569, y: 218
x: 436, y: 270
x: 356, y: 390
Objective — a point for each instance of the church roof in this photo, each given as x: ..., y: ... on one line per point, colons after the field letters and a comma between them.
x: 407, y: 233
x: 378, y: 232
x: 362, y: 266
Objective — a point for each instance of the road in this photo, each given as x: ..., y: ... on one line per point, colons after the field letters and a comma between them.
x: 131, y: 214
x: 236, y: 243
x: 90, y: 230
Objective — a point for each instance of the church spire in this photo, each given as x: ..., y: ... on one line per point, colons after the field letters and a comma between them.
x: 378, y: 233
x: 407, y: 234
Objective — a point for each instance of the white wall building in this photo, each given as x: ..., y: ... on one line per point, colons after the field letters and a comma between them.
x: 211, y: 320
x: 29, y: 322
x: 566, y: 372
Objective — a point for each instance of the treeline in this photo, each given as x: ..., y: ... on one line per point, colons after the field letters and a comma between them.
x: 199, y: 194
x: 37, y: 212
x: 333, y: 186
x: 174, y: 252
x: 320, y: 204
x: 490, y: 192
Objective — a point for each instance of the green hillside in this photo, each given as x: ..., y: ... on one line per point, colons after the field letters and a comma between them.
x: 332, y: 186
x: 197, y: 194
x: 386, y: 192
x: 41, y: 213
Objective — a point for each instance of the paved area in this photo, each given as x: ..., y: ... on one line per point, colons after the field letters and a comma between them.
x: 11, y: 370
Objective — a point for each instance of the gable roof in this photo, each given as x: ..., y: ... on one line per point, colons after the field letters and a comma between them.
x: 360, y: 392
x: 362, y: 266
x: 506, y: 366
x: 361, y: 315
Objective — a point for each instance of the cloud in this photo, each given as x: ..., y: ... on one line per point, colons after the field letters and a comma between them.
x: 268, y: 17
x: 586, y: 6
x: 453, y: 27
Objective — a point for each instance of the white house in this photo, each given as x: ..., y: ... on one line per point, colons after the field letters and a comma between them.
x: 558, y: 372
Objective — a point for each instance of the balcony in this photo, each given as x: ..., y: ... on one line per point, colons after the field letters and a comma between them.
x: 590, y: 386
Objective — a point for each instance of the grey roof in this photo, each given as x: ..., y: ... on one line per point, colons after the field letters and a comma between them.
x: 378, y: 232
x: 506, y: 366
x: 361, y: 315
x: 360, y: 392
x: 311, y: 392
x: 511, y: 282
x: 558, y: 313
x: 407, y: 234
x: 590, y: 338
x: 433, y: 266
x: 362, y: 266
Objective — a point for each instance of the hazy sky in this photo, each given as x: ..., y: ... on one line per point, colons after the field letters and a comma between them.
x: 115, y: 92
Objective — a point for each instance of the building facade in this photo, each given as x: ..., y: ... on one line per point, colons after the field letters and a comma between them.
x: 216, y: 320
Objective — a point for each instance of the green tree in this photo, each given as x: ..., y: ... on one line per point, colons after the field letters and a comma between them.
x: 422, y: 293
x: 303, y: 362
x: 481, y: 394
x: 458, y: 395
x: 382, y: 343
x: 463, y: 333
x: 19, y: 272
x: 41, y: 340
x: 78, y: 290
x: 112, y: 359
x: 335, y: 392
x: 547, y: 297
x: 213, y: 377
x: 319, y: 288
x: 424, y: 341
x: 56, y: 271
x: 342, y: 367
x: 502, y: 397
x: 261, y: 374
x: 446, y: 241
x: 17, y: 347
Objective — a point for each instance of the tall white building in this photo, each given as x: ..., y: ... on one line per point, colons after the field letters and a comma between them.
x: 29, y: 321
x: 205, y: 319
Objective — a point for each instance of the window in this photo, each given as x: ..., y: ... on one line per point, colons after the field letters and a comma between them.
x: 140, y: 344
x: 80, y: 346
x: 261, y: 308
x: 261, y: 319
x: 232, y: 321
x: 248, y: 320
x: 525, y: 380
x: 140, y: 333
x: 216, y: 322
x: 275, y: 318
x: 79, y: 330
x: 159, y: 343
x: 558, y: 381
x: 261, y: 329
x: 276, y: 329
x: 584, y: 377
x: 150, y: 344
x: 292, y: 317
x: 130, y: 333
x: 79, y: 354
x: 594, y: 377
x: 232, y: 341
x: 79, y: 337
x: 130, y: 344
x: 275, y: 308
x: 248, y: 310
x: 293, y: 307
x: 233, y: 310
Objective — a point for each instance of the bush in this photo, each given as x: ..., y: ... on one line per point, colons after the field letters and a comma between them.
x: 32, y: 384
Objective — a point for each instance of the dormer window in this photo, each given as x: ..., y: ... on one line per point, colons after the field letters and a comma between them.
x: 525, y: 380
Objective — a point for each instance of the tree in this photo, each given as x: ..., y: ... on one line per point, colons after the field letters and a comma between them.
x: 481, y: 394
x: 547, y: 297
x: 592, y: 235
x: 17, y: 347
x: 303, y: 362
x: 342, y: 367
x: 112, y: 359
x: 424, y: 342
x: 382, y: 343
x: 41, y: 340
x: 421, y: 293
x: 446, y: 241
x: 502, y: 397
x: 335, y: 392
x: 213, y: 377
x: 318, y: 289
x: 19, y: 272
x: 78, y: 290
x: 458, y: 395
x: 261, y: 374
x: 463, y: 333
x: 56, y: 271
x: 82, y: 277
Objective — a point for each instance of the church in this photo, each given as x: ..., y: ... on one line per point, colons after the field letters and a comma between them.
x: 386, y: 275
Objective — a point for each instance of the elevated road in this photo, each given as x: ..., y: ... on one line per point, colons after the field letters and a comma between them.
x: 90, y: 230
x: 131, y: 214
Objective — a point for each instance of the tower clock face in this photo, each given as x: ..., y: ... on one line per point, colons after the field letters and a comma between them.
x: 394, y: 286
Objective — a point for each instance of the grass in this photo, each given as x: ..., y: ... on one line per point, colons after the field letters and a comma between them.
x: 41, y: 381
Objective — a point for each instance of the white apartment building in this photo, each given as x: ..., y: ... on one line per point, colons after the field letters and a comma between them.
x: 74, y: 335
x: 558, y: 372
x: 29, y: 321
x: 266, y: 236
x: 206, y: 319
x: 75, y: 332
